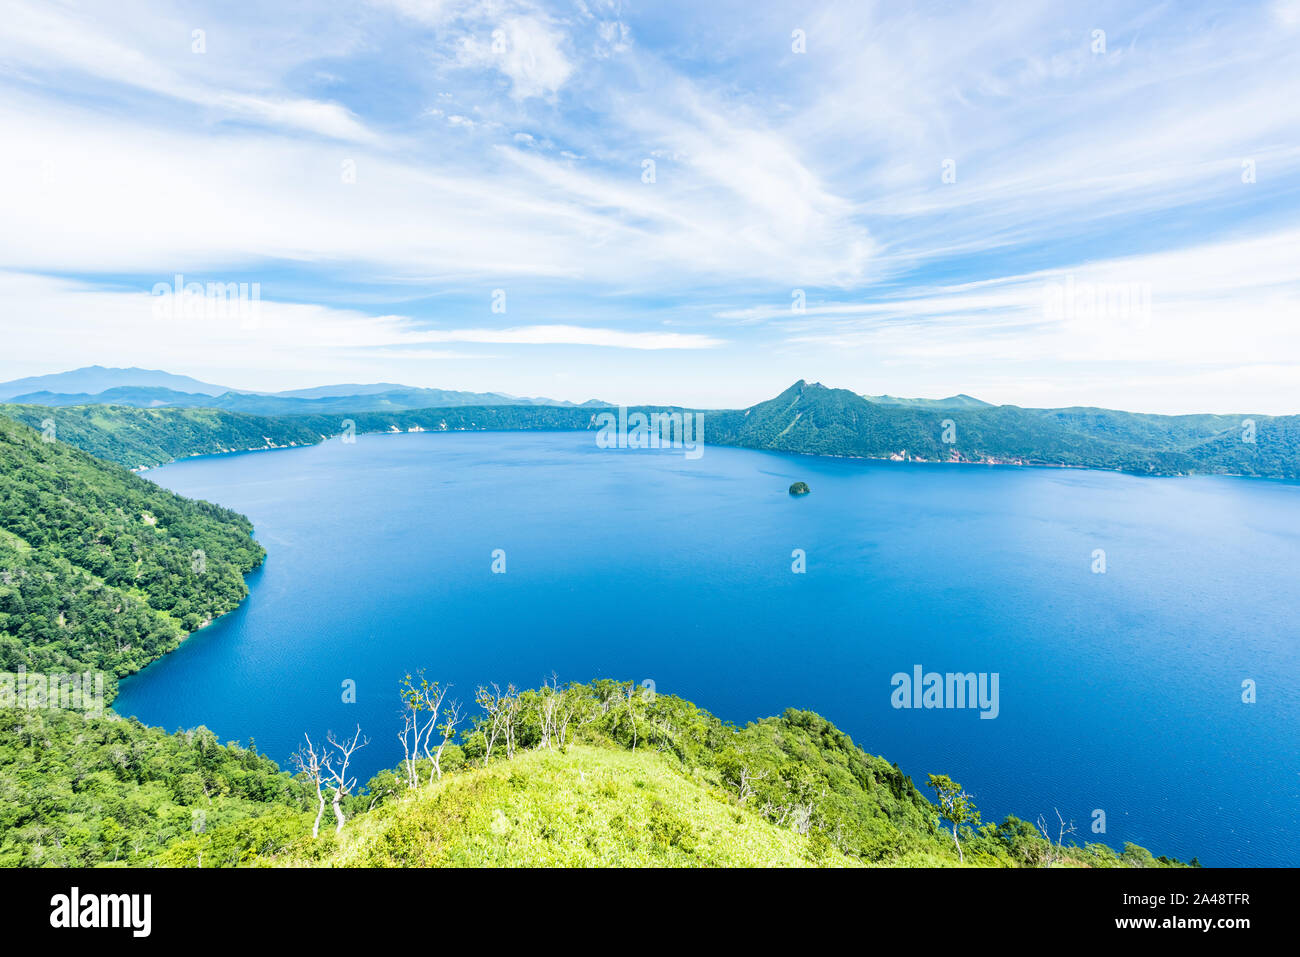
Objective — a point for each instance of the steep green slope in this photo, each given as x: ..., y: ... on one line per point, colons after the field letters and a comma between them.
x: 78, y: 791
x: 141, y: 438
x: 102, y: 569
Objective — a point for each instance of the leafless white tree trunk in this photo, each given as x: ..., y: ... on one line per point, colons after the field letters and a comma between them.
x: 342, y: 783
x: 448, y: 730
x: 746, y: 783
x: 1054, y: 854
x: 631, y: 693
x: 510, y: 712
x: 312, y: 764
x: 565, y: 709
x: 491, y: 703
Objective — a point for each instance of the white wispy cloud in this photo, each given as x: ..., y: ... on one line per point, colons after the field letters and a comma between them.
x: 440, y: 149
x: 1218, y: 304
x: 86, y: 324
x: 572, y: 336
x: 525, y: 48
x: 42, y: 39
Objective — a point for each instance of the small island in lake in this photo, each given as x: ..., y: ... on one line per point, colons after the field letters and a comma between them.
x: 799, y: 488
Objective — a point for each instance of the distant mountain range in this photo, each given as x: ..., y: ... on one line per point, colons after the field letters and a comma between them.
x: 961, y: 401
x: 153, y: 389
x: 91, y: 380
x: 806, y: 418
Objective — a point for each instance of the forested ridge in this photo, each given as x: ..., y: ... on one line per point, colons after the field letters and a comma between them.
x: 807, y: 418
x: 102, y: 569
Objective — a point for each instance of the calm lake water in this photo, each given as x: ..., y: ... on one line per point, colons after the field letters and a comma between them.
x: 1119, y: 691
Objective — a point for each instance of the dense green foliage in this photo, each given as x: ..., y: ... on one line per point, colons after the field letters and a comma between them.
x: 593, y: 774
x: 77, y: 791
x: 806, y: 418
x: 811, y: 418
x: 102, y: 569
x: 372, y: 399
x: 140, y: 438
x: 606, y: 773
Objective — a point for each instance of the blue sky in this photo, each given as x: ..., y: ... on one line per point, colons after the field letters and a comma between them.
x: 1045, y: 204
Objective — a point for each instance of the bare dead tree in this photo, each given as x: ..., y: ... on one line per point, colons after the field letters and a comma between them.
x: 668, y: 739
x: 1055, y: 854
x: 448, y: 729
x: 565, y: 710
x: 801, y: 818
x: 491, y: 703
x: 427, y: 700
x: 420, y: 704
x: 746, y: 783
x: 409, y: 736
x: 631, y: 693
x: 380, y: 793
x: 311, y: 763
x: 547, y: 703
x: 342, y: 783
x: 510, y: 718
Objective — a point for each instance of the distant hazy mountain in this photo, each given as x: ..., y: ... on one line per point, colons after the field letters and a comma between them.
x: 145, y: 397
x: 150, y: 390
x: 327, y: 391
x: 92, y: 380
x: 960, y: 401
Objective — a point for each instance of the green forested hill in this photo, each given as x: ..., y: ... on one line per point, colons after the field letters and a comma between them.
x: 79, y: 791
x: 810, y: 418
x: 807, y: 418
x: 643, y: 780
x: 630, y: 780
x: 101, y: 569
x: 141, y: 438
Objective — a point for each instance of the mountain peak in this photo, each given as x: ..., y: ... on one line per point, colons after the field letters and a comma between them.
x: 91, y: 380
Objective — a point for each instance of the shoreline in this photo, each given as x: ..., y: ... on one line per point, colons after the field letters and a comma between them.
x: 986, y: 462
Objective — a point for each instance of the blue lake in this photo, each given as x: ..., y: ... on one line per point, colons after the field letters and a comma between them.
x: 1119, y: 691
